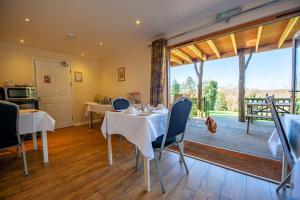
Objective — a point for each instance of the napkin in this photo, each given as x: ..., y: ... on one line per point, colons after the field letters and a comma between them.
x: 130, y: 110
x: 160, y: 107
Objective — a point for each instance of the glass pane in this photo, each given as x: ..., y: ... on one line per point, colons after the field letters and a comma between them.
x: 297, y: 76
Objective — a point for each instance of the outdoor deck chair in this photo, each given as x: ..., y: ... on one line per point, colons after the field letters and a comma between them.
x: 9, y: 129
x: 177, y: 120
x: 283, y: 138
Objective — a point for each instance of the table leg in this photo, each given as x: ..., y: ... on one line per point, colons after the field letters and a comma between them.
x: 109, y: 147
x: 284, y: 167
x: 34, y: 140
x: 147, y: 174
x: 91, y: 119
x: 45, y: 146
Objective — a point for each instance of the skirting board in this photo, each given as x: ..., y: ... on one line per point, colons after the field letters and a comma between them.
x: 86, y: 122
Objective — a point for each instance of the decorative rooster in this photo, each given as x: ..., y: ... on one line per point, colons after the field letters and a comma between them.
x: 211, y: 125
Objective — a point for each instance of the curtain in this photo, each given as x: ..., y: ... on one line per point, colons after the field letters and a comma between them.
x: 158, y: 66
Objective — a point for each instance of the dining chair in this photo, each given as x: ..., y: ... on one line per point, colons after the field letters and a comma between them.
x: 120, y: 103
x: 177, y: 120
x: 9, y: 129
x: 287, y: 149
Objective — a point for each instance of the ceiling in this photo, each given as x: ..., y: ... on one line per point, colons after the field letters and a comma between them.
x: 260, y: 38
x: 92, y: 21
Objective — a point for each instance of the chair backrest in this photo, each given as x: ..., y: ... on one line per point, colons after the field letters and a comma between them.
x: 9, y: 117
x: 120, y: 103
x: 282, y: 135
x: 178, y: 116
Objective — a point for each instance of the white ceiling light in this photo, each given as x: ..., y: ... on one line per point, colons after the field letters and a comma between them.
x: 100, y: 43
x: 70, y: 36
x: 27, y: 20
x: 138, y: 22
x: 82, y: 54
x: 22, y: 41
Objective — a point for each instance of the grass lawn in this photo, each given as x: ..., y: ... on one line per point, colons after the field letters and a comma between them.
x: 223, y: 113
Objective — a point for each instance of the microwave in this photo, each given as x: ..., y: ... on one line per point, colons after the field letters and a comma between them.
x: 14, y: 93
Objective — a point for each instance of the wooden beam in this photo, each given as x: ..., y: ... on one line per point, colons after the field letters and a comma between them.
x: 176, y: 60
x: 180, y: 54
x: 258, y: 38
x: 214, y: 48
x: 287, y: 30
x: 234, y: 43
x: 197, y: 52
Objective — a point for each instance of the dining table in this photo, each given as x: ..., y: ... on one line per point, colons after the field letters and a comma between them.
x: 93, y: 107
x: 32, y: 121
x: 139, y: 129
x: 291, y: 126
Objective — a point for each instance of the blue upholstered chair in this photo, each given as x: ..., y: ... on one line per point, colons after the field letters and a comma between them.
x: 9, y: 131
x: 177, y: 120
x: 120, y: 103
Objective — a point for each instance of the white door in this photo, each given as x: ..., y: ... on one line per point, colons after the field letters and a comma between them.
x: 54, y: 91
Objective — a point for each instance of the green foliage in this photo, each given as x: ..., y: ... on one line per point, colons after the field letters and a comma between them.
x: 221, y: 104
x: 210, y: 93
x: 175, y: 87
x: 189, y: 86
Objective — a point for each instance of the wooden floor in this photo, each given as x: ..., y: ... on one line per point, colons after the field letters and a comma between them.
x: 78, y: 169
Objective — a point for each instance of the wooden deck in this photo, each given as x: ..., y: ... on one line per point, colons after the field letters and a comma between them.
x: 231, y: 134
x: 78, y: 169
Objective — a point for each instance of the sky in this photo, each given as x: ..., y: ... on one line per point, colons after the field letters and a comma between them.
x: 266, y: 71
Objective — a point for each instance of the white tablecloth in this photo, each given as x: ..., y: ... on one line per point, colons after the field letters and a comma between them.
x: 97, y: 108
x: 30, y: 122
x: 139, y: 130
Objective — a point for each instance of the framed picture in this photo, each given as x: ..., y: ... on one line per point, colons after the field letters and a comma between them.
x: 78, y: 76
x: 121, y: 74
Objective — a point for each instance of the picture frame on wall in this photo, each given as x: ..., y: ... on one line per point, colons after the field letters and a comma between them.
x: 121, y: 74
x: 78, y: 76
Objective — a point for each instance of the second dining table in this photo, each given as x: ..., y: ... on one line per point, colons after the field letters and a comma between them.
x: 139, y: 129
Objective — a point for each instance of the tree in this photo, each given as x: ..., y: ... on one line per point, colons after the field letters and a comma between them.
x: 175, y: 88
x: 199, y: 73
x: 189, y: 86
x: 221, y: 104
x: 210, y: 93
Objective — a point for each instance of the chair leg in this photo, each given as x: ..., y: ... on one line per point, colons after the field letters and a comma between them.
x: 182, y: 158
x: 24, y: 157
x: 159, y: 174
x: 284, y: 182
x: 137, y: 158
x: 19, y: 151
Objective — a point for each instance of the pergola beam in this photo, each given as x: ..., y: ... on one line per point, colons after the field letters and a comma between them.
x: 287, y: 30
x: 176, y: 60
x: 259, y: 30
x: 233, y: 43
x: 197, y: 52
x: 180, y: 54
x: 214, y: 48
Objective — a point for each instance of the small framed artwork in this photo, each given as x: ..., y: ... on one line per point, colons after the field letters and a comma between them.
x: 121, y: 74
x: 78, y: 76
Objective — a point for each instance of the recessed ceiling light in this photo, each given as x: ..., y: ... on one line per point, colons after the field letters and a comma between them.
x: 27, y: 20
x: 137, y: 22
x: 82, y: 54
x: 70, y: 36
x: 101, y: 43
x: 22, y: 41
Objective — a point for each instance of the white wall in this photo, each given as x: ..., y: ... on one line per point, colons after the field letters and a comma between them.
x: 137, y: 63
x: 16, y: 64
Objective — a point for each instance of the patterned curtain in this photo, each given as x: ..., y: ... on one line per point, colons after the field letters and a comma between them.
x: 158, y: 64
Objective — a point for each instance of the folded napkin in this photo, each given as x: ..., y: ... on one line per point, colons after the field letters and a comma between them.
x: 130, y: 110
x: 160, y: 107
